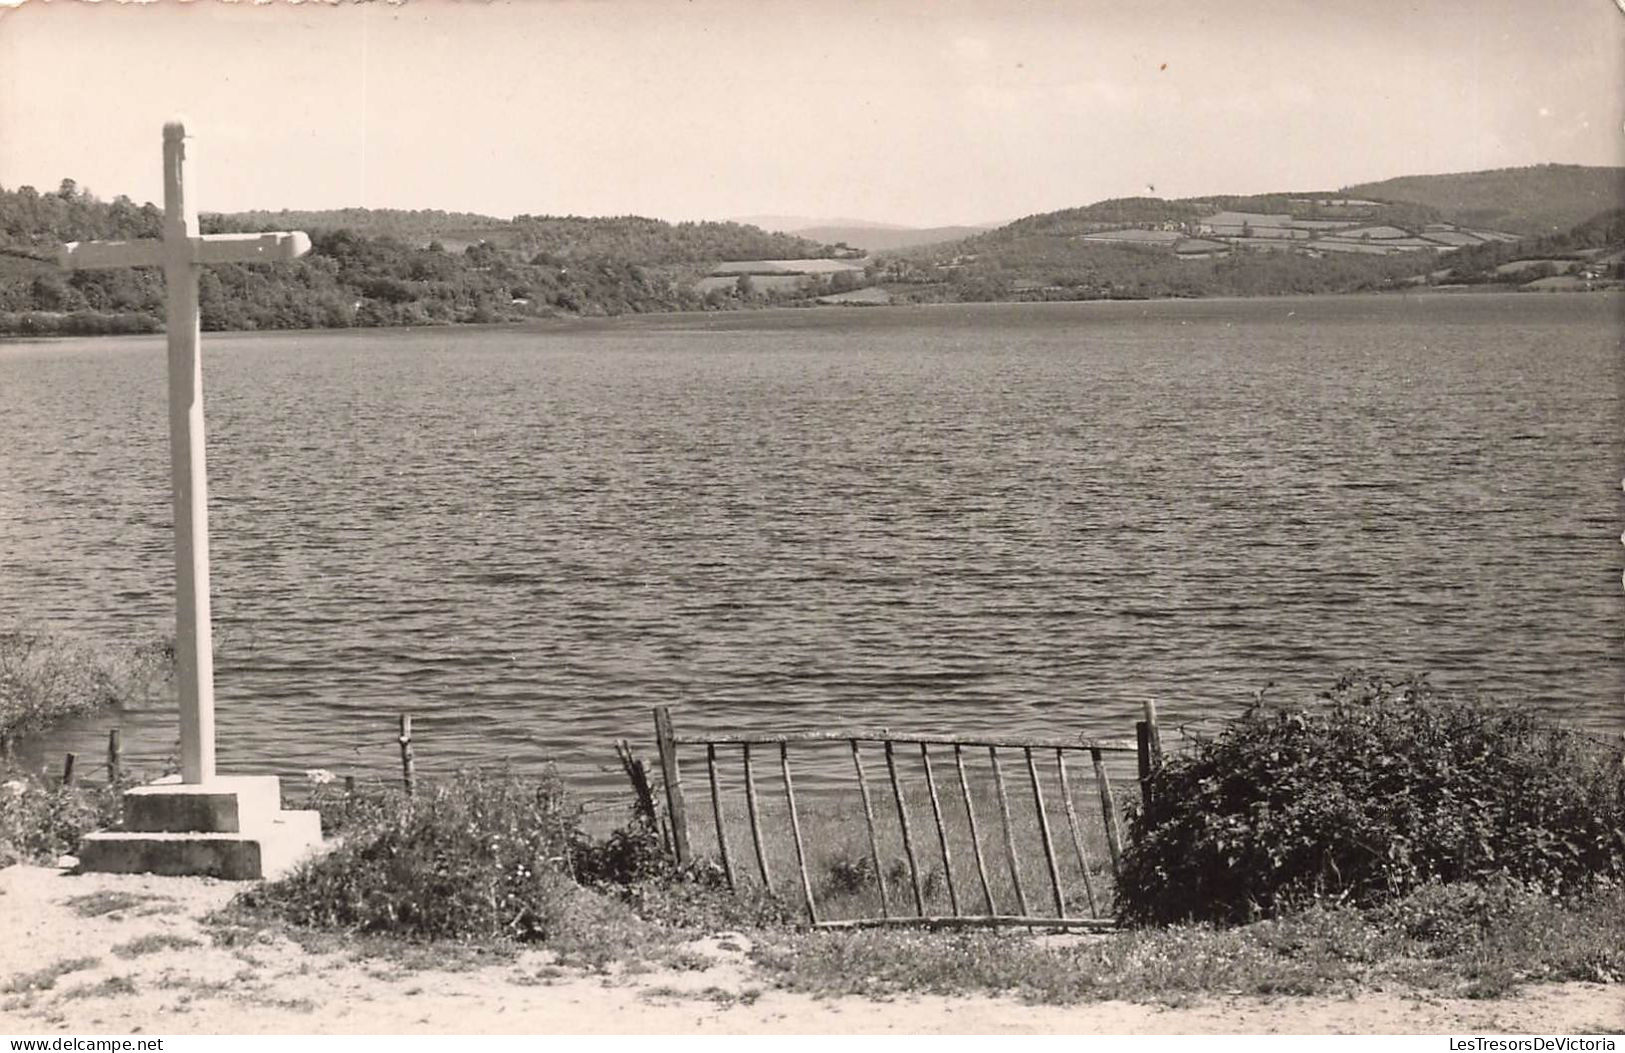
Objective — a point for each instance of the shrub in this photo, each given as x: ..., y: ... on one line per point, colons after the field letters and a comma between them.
x: 46, y: 678
x: 482, y: 856
x: 1383, y: 788
x: 40, y: 822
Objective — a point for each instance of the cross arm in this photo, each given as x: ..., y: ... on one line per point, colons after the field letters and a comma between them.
x: 99, y: 255
x: 250, y: 248
x: 211, y: 248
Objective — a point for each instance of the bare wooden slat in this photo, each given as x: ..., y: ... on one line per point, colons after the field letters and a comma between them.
x: 1077, y: 832
x: 975, y: 837
x: 883, y: 735
x: 1009, y: 831
x: 1108, y: 809
x: 795, y: 833
x: 716, y: 810
x: 908, y: 835
x: 869, y: 821
x: 755, y: 822
x: 676, y: 808
x: 1044, y: 835
x: 942, y: 830
x: 972, y: 921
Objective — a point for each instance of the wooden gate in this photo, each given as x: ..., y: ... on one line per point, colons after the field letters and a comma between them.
x: 998, y: 895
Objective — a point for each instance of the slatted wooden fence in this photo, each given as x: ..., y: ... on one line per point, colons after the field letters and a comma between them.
x: 975, y: 905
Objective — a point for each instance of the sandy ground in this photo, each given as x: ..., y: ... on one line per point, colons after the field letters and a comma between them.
x: 149, y: 965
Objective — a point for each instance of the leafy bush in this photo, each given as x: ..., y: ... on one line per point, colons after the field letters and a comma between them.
x: 40, y: 822
x: 46, y: 678
x: 630, y: 855
x: 482, y: 856
x: 1385, y: 787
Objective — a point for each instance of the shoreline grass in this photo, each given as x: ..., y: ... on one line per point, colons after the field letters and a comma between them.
x: 47, y: 678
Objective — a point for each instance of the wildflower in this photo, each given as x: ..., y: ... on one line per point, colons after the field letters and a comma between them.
x: 15, y: 787
x: 319, y: 776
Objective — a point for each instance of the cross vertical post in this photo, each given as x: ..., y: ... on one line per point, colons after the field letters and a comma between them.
x: 225, y: 826
x: 182, y: 252
x: 194, y: 641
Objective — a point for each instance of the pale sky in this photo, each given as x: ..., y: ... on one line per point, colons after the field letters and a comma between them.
x: 931, y: 112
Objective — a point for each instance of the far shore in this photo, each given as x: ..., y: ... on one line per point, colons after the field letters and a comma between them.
x: 575, y: 323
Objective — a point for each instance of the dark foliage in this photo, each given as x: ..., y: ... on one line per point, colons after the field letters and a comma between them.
x: 41, y: 821
x: 367, y: 268
x: 480, y: 857
x: 1383, y: 788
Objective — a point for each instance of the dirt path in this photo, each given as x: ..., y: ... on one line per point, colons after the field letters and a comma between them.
x: 123, y: 954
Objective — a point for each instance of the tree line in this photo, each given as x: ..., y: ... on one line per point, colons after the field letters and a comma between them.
x: 535, y: 266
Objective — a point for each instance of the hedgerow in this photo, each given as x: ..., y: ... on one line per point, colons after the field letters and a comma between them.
x: 1381, y: 788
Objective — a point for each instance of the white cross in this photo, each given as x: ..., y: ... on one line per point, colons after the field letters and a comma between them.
x: 182, y: 252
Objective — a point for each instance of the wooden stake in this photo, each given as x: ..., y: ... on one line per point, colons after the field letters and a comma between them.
x: 795, y: 833
x: 869, y: 821
x: 755, y: 821
x: 942, y: 830
x: 1142, y: 738
x: 408, y: 769
x: 114, y: 757
x: 908, y: 836
x: 1009, y: 832
x: 643, y: 797
x: 1108, y: 809
x: 67, y: 769
x: 1077, y: 832
x: 1156, y: 733
x: 716, y: 809
x: 1044, y: 835
x: 975, y: 837
x: 675, y: 806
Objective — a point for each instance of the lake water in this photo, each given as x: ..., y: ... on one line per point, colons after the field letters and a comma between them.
x: 1014, y: 518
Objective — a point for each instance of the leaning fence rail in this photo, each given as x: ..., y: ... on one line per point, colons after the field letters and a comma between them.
x: 968, y: 906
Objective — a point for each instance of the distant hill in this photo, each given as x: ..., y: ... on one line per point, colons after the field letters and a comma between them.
x: 374, y: 267
x: 412, y: 226
x: 1371, y: 236
x: 634, y: 239
x: 862, y: 233
x: 886, y: 239
x: 1561, y: 225
x: 1541, y: 199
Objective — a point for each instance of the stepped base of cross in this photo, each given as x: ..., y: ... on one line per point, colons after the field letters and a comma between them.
x: 228, y: 827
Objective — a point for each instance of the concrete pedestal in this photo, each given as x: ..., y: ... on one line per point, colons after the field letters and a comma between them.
x: 231, y: 828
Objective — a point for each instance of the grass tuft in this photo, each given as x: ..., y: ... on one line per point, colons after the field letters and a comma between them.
x: 153, y: 943
x: 45, y: 979
x: 97, y: 904
x: 112, y: 987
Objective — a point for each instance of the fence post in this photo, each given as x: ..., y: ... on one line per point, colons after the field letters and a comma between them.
x: 408, y: 769
x: 675, y: 807
x: 67, y: 769
x: 113, y: 757
x: 1156, y: 733
x: 1142, y: 741
x: 643, y: 798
